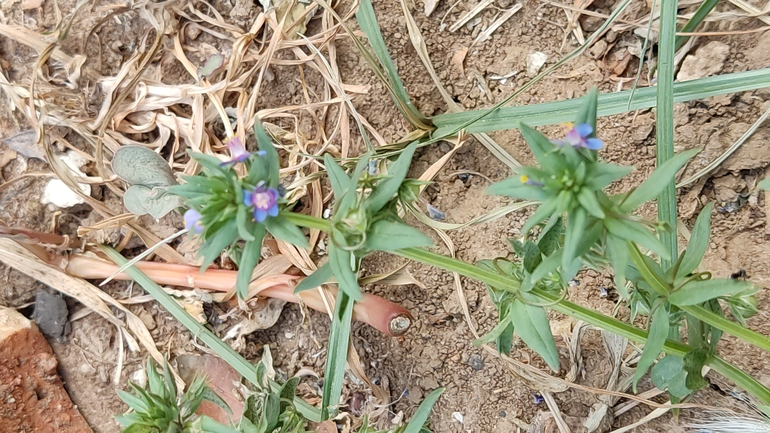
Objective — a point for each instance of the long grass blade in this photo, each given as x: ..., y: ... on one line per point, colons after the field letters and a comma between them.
x: 339, y: 339
x: 550, y: 113
x: 700, y: 14
x: 664, y: 119
x: 241, y: 365
x: 368, y: 23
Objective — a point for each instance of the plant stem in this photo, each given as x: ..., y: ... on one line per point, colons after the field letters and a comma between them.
x: 589, y: 316
x: 739, y: 377
x: 665, y: 123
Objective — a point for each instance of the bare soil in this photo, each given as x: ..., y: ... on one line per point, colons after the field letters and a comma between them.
x: 483, y: 394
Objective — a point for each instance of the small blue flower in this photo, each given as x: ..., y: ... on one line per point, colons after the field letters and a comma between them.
x: 538, y: 399
x: 264, y: 200
x: 238, y: 151
x: 192, y: 221
x: 577, y: 136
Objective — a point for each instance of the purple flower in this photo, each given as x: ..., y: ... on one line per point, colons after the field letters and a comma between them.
x: 238, y: 151
x: 577, y: 136
x: 264, y: 200
x: 192, y: 221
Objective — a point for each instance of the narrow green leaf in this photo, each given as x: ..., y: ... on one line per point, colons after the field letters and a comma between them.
x: 697, y: 18
x: 368, y: 23
x: 321, y: 276
x: 512, y: 187
x: 211, y: 396
x: 765, y: 184
x: 389, y: 236
x: 496, y: 332
x: 699, y: 291
x: 657, y: 181
x: 617, y: 253
x: 542, y: 148
x: 548, y: 265
x: 550, y: 239
x: 213, y: 246
x: 339, y: 260
x: 587, y: 199
x: 211, y: 164
x: 531, y: 323
x: 551, y: 113
x: 287, y: 392
x: 576, y: 225
x: 155, y: 382
x: 169, y: 379
x: 587, y: 112
x: 420, y: 417
x: 699, y: 242
x: 634, y: 232
x: 605, y: 174
x: 339, y: 338
x: 339, y: 180
x: 265, y: 144
x: 347, y: 201
x: 544, y: 211
x: 242, y: 220
x: 655, y: 341
x: 282, y: 229
x: 249, y: 259
x: 388, y: 187
x: 132, y: 401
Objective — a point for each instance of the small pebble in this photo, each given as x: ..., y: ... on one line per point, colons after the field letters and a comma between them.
x: 476, y: 362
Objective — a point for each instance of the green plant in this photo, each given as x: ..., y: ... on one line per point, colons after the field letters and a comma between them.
x: 577, y: 224
x: 267, y: 409
x: 158, y: 409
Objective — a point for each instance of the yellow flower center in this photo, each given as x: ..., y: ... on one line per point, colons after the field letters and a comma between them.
x: 524, y: 178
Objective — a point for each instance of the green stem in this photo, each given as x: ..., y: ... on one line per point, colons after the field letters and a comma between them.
x: 737, y: 376
x: 587, y: 315
x: 697, y: 312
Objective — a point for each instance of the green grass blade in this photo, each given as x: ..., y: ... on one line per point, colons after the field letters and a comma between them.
x: 368, y: 23
x: 700, y: 14
x: 421, y: 416
x: 339, y: 338
x: 551, y: 113
x: 241, y: 365
x: 664, y: 118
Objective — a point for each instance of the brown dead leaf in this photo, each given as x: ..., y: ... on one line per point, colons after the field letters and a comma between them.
x: 326, y: 427
x: 7, y: 157
x: 458, y: 59
x: 430, y: 6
